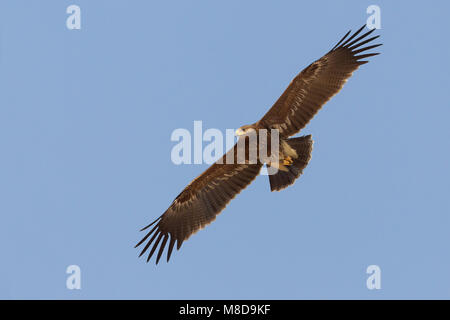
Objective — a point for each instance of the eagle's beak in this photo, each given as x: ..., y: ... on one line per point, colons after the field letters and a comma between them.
x: 239, y: 132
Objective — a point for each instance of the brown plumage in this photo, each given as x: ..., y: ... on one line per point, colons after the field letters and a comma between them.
x: 282, y: 179
x: 207, y: 195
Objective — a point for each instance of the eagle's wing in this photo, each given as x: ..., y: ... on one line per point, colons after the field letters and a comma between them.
x: 317, y: 83
x: 199, y: 203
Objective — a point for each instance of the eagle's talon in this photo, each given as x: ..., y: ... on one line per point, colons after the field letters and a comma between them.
x: 288, y: 161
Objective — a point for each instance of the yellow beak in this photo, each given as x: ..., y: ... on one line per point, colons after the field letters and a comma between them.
x: 239, y: 132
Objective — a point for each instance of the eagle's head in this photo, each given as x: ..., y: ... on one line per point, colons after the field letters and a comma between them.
x: 244, y: 130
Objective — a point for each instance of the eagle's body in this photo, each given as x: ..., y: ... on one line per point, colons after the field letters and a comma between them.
x: 208, y: 194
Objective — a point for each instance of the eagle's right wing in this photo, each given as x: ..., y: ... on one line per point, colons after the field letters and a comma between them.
x: 199, y: 203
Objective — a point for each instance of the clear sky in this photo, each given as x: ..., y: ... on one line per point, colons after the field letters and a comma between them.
x: 85, y: 123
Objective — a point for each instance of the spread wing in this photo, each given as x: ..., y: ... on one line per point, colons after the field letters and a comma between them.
x: 199, y: 203
x: 318, y: 83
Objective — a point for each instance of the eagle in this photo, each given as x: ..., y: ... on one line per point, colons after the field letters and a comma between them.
x: 208, y: 194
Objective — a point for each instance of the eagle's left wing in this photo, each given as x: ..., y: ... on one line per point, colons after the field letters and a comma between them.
x: 318, y: 83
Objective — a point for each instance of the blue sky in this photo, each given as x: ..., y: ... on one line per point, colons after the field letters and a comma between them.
x: 85, y: 123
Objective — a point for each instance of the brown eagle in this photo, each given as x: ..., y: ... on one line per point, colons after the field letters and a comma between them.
x: 208, y: 194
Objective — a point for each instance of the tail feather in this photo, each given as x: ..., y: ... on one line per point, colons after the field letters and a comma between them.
x: 282, y: 179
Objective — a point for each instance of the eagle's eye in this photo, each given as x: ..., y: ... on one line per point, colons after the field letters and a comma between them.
x: 242, y: 131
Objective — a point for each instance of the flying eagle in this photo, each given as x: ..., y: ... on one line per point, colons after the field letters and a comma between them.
x: 208, y: 194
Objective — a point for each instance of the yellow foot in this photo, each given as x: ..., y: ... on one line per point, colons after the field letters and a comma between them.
x: 288, y: 161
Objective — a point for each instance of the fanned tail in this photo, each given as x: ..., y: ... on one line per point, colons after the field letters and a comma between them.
x: 282, y: 179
